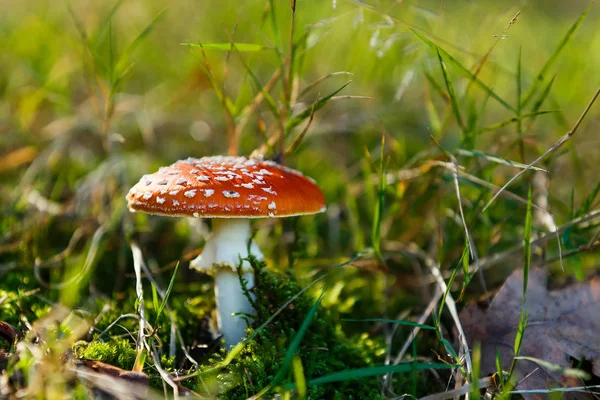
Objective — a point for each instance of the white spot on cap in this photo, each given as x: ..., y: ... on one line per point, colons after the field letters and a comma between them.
x: 256, y: 197
x: 147, y: 195
x: 160, y: 200
x: 269, y: 190
x: 222, y: 178
x: 181, y: 181
x: 175, y: 203
x: 194, y: 171
x: 174, y: 192
x: 174, y: 172
x: 163, y: 182
x: 203, y: 178
x: 271, y: 214
x: 196, y: 215
x: 248, y: 185
x: 258, y: 181
x: 148, y: 182
x: 208, y: 192
x: 272, y: 206
x: 190, y: 193
x: 230, y: 194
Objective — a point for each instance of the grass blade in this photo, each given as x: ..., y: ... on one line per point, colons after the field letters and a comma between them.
x: 561, y: 45
x: 391, y: 321
x: 320, y: 103
x: 524, y: 311
x: 379, y: 206
x: 375, y: 371
x: 452, y: 93
x: 538, y: 103
x: 243, y: 47
x: 267, y: 96
x: 517, y: 119
x: 105, y: 25
x: 489, y: 157
x: 463, y: 70
x: 372, y: 371
x: 465, y: 255
x: 145, y: 32
x: 519, y: 107
x: 570, y: 372
x: 293, y: 349
x: 168, y: 292
x: 313, y: 84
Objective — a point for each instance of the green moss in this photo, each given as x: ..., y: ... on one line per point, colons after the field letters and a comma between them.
x: 122, y: 353
x: 117, y: 352
x: 324, y: 348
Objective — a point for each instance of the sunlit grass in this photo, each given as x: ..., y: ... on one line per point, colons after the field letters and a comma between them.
x: 410, y: 116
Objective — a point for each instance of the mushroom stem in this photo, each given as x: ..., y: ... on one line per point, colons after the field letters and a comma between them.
x: 221, y: 258
x: 231, y: 300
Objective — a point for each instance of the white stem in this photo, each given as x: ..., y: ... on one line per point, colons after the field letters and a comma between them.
x: 221, y: 258
x: 231, y: 300
x: 227, y: 243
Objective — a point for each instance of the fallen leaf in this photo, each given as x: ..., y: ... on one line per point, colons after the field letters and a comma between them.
x: 562, y: 324
x: 9, y: 332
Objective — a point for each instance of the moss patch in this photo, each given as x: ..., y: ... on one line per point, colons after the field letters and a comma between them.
x: 324, y: 348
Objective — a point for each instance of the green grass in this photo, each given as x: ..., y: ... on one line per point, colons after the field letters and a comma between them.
x: 410, y: 116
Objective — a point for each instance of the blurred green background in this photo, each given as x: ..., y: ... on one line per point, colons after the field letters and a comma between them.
x: 86, y: 109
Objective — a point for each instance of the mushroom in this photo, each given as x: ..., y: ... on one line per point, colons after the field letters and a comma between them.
x: 231, y: 191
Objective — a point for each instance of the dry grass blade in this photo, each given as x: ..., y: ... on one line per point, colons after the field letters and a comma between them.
x: 472, y: 248
x: 434, y: 269
x: 313, y: 84
x: 510, y: 253
x: 454, y: 393
x: 552, y: 149
x: 424, y: 316
x: 299, y: 138
x: 142, y: 344
x: 256, y: 102
x: 413, y: 334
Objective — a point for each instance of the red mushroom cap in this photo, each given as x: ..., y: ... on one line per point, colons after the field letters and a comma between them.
x: 226, y: 187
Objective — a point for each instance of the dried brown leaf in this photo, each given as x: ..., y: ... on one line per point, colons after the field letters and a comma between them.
x: 562, y: 324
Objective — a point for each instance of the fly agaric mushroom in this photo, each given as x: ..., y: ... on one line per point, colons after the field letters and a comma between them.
x: 231, y: 190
